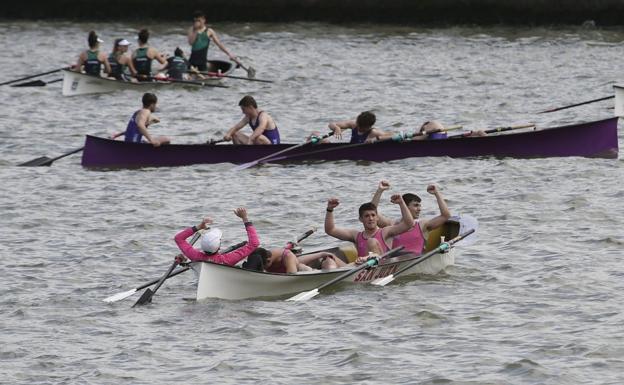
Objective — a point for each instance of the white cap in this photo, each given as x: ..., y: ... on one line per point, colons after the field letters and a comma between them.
x: 211, y: 241
x: 124, y: 42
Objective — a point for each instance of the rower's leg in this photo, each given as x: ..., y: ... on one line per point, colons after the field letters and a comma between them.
x: 240, y: 138
x: 262, y: 140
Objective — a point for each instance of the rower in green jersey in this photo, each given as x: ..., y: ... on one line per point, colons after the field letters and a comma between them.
x: 177, y: 66
x: 119, y: 60
x: 199, y: 37
x: 92, y: 59
x: 142, y: 57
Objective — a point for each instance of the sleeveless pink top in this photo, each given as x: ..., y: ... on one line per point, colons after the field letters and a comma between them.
x: 413, y: 240
x: 360, y: 243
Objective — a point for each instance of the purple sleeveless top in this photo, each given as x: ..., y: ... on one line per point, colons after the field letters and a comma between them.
x: 272, y: 135
x: 356, y: 137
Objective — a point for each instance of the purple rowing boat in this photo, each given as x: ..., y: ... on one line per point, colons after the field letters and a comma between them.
x: 596, y: 139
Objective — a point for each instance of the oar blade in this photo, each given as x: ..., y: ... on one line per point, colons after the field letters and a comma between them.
x: 251, y: 73
x: 467, y: 223
x: 33, y: 83
x: 383, y: 281
x: 245, y: 165
x: 304, y: 296
x: 41, y: 161
x: 145, y: 298
x: 119, y: 296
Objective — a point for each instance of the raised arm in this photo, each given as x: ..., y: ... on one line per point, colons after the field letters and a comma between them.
x: 330, y: 226
x: 407, y: 220
x: 383, y: 186
x: 232, y: 258
x: 187, y: 249
x: 445, y: 213
x: 192, y: 35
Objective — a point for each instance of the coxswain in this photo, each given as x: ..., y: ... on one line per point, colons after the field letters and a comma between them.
x: 199, y: 37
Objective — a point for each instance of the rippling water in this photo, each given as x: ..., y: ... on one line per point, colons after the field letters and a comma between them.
x: 536, y: 300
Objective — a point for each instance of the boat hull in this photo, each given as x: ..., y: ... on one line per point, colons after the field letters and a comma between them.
x: 228, y: 282
x: 75, y: 83
x: 593, y: 139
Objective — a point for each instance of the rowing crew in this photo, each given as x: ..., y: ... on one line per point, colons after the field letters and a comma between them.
x: 378, y: 236
x: 139, y: 64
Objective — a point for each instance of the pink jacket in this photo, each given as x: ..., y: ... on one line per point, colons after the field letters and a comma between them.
x: 231, y: 258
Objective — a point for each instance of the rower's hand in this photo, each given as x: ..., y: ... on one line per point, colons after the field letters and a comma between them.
x: 180, y: 259
x: 432, y: 189
x: 154, y: 120
x: 383, y: 185
x: 396, y: 199
x: 332, y: 203
x: 337, y: 130
x: 155, y: 142
x: 241, y: 212
x: 361, y: 260
x: 205, y: 222
x: 227, y: 137
x: 370, y: 140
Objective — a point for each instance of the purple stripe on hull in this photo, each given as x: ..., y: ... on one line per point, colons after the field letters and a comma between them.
x: 593, y: 139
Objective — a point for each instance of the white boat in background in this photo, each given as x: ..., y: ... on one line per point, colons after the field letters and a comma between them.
x: 233, y: 282
x: 76, y: 83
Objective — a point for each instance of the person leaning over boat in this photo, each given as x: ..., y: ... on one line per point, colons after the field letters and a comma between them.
x: 143, y: 56
x: 362, y: 130
x: 264, y: 128
x: 433, y: 130
x: 119, y: 60
x: 283, y: 260
x: 372, y: 239
x: 177, y: 66
x: 415, y: 239
x: 92, y: 59
x: 141, y: 119
x: 211, y: 242
x: 199, y: 37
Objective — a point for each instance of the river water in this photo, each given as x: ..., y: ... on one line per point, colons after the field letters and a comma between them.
x: 536, y: 300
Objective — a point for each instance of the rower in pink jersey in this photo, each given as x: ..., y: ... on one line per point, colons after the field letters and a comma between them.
x: 211, y: 242
x: 415, y: 239
x: 372, y: 239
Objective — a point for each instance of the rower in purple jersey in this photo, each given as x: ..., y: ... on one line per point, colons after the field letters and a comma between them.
x: 264, y: 128
x: 141, y: 119
x: 362, y: 130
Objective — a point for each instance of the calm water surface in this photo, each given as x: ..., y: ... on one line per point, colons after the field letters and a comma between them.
x: 536, y: 300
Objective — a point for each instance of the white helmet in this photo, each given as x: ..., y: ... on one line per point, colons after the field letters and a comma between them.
x: 211, y: 241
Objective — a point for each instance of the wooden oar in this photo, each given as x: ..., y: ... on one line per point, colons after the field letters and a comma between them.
x: 577, y: 104
x: 396, y: 138
x: 126, y: 294
x: 33, y: 76
x: 443, y: 247
x: 498, y: 129
x: 306, y: 295
x: 313, y: 140
x: 36, y: 83
x: 220, y: 75
x: 45, y: 161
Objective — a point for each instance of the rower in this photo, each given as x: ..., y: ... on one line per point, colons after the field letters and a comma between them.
x: 372, y: 239
x: 141, y: 119
x: 284, y: 261
x: 177, y: 65
x: 414, y: 239
x: 362, y: 130
x: 199, y: 37
x: 142, y: 57
x: 92, y: 59
x: 264, y: 128
x: 119, y: 60
x: 434, y: 130
x: 211, y: 242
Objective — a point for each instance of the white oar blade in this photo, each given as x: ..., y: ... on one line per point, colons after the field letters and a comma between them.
x: 467, y: 223
x: 306, y: 295
x: 383, y: 281
x: 119, y: 296
x: 245, y: 165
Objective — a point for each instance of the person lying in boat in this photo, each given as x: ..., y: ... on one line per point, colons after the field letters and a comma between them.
x: 283, y: 260
x: 414, y: 240
x: 433, y: 130
x: 92, y: 59
x: 362, y: 130
x: 143, y: 56
x: 177, y: 66
x: 119, y: 60
x: 199, y: 36
x: 211, y: 242
x: 264, y: 128
x: 143, y: 118
x: 373, y: 239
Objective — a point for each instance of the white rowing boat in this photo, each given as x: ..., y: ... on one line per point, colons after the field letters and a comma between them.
x: 232, y: 282
x: 76, y: 83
